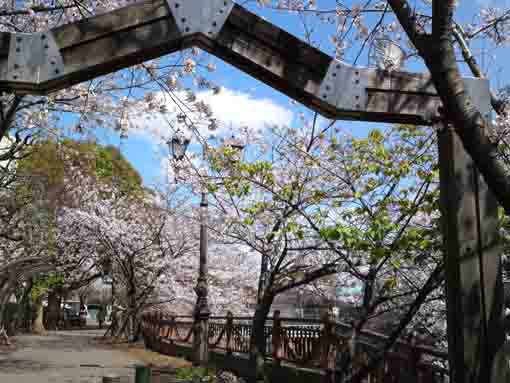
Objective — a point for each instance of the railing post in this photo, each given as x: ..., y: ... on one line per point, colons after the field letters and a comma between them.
x: 158, y: 330
x: 144, y: 328
x: 354, y: 356
x: 277, y: 339
x: 173, y: 327
x: 142, y: 374
x: 414, y: 360
x: 328, y: 349
x: 150, y: 329
x: 230, y: 331
x: 152, y: 325
x: 154, y: 328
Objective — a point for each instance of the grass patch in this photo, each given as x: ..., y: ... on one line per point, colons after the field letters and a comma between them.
x: 196, y: 374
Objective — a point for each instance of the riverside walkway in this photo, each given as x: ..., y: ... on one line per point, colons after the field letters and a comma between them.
x: 66, y: 357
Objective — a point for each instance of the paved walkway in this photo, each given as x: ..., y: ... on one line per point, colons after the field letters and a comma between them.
x: 63, y: 357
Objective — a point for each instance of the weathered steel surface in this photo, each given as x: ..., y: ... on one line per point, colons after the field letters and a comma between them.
x: 107, y: 24
x: 472, y: 260
x: 345, y: 86
x: 33, y: 58
x: 196, y: 16
x: 152, y: 28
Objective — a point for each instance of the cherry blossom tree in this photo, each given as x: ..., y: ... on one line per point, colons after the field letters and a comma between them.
x: 120, y: 101
x: 233, y: 276
x: 316, y: 202
x: 394, y: 33
x: 57, y: 176
x: 141, y: 240
x: 384, y: 214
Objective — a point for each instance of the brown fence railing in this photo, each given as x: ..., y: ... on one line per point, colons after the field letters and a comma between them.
x: 308, y: 343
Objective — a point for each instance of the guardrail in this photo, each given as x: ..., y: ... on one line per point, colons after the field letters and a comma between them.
x: 312, y: 344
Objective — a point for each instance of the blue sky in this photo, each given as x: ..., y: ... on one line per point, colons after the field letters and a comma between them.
x: 247, y: 95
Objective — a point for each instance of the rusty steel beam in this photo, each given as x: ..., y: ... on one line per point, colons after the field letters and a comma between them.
x: 474, y: 286
x: 44, y: 62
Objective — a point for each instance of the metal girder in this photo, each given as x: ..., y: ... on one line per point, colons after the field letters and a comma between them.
x: 475, y: 301
x: 89, y: 48
x: 33, y: 58
x: 345, y: 86
x: 197, y: 16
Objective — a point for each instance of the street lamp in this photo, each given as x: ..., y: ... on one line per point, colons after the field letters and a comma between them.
x: 234, y: 143
x: 178, y: 146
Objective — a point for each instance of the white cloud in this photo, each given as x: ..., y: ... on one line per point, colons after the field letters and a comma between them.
x: 231, y: 108
x: 242, y: 109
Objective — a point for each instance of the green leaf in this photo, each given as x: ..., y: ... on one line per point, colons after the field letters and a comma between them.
x: 375, y: 136
x: 330, y: 234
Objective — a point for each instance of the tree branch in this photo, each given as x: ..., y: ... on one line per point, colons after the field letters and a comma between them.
x: 439, y: 56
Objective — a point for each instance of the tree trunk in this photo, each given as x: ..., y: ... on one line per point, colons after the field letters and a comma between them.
x: 467, y: 363
x: 38, y: 325
x: 114, y: 325
x: 6, y: 291
x: 258, y: 339
x: 53, y: 311
x: 131, y: 312
x: 27, y: 307
x: 439, y: 55
x: 3, y: 281
x: 22, y: 319
x: 3, y: 332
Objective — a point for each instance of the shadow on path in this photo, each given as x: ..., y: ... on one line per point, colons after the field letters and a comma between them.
x: 63, y: 357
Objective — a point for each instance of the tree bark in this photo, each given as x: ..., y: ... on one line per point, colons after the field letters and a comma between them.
x: 21, y: 320
x: 53, y: 311
x: 433, y: 282
x: 467, y: 363
x: 7, y: 289
x: 3, y: 303
x: 438, y: 52
x: 27, y: 307
x: 258, y: 339
x: 38, y: 325
x: 114, y: 323
x: 131, y: 313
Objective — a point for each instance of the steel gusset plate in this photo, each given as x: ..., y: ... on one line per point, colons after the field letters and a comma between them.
x: 34, y: 58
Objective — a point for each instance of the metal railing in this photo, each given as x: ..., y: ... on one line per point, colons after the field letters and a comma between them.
x: 324, y: 345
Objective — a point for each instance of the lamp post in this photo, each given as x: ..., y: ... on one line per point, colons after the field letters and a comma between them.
x: 201, y: 314
x: 109, y: 279
x: 178, y: 146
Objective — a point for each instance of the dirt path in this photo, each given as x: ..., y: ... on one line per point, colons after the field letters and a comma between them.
x: 65, y: 357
